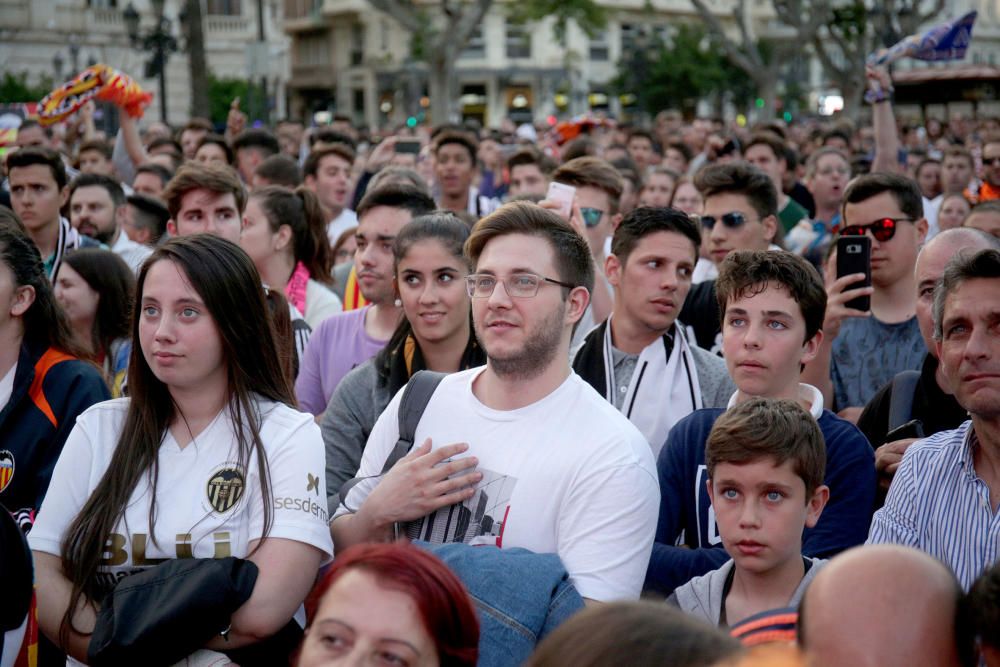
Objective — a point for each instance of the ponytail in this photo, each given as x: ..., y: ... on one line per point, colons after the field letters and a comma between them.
x: 312, y: 246
x: 301, y: 211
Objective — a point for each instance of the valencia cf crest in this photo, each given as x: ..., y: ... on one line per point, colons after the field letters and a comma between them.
x: 6, y: 468
x: 224, y: 489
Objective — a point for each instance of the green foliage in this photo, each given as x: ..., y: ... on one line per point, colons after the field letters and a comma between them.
x: 676, y: 74
x: 851, y: 21
x: 15, y: 88
x: 590, y: 16
x: 221, y: 93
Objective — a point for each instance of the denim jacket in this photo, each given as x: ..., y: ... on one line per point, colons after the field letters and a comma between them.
x: 520, y: 596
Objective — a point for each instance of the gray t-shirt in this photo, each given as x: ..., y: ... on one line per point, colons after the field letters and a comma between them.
x: 624, y: 368
x: 868, y: 353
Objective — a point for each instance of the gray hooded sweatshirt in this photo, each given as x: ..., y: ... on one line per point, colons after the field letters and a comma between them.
x: 702, y: 596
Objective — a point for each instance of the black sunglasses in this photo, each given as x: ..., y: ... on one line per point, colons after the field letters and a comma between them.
x: 883, y: 230
x: 731, y: 220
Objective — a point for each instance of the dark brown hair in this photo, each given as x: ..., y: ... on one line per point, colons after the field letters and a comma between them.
x: 639, y: 634
x: 766, y: 428
x: 32, y: 155
x: 228, y: 283
x: 343, y: 151
x: 595, y: 172
x: 740, y: 178
x: 747, y: 273
x: 113, y: 279
x: 570, y: 251
x: 193, y: 176
x: 300, y: 210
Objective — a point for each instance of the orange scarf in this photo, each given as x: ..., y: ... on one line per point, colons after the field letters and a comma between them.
x: 988, y: 192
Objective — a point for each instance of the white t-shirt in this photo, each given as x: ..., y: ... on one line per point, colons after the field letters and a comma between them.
x: 341, y: 224
x: 206, y: 505
x: 567, y: 474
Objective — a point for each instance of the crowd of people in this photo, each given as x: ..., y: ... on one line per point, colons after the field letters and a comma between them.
x: 457, y: 396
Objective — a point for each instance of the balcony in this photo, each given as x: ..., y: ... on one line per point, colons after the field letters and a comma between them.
x: 104, y: 19
x: 227, y: 26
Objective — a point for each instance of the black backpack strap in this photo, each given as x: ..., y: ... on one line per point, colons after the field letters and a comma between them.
x: 416, y: 395
x: 904, y: 385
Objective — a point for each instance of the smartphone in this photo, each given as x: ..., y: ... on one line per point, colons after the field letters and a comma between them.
x: 854, y: 255
x: 911, y: 429
x: 563, y: 194
x: 412, y: 147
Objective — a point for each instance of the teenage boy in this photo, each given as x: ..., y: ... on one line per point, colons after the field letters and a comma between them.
x: 455, y: 170
x: 765, y: 460
x: 766, y: 151
x: 530, y: 171
x: 544, y: 463
x: 638, y: 359
x: 772, y: 305
x: 327, y: 172
x: 37, y: 179
x: 863, y: 350
x: 344, y: 340
x: 595, y: 216
x: 740, y: 213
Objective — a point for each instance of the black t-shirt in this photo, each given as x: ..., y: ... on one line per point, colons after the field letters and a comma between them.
x: 801, y: 194
x: 701, y: 314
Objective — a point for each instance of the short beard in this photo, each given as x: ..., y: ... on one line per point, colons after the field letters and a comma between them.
x: 539, y: 350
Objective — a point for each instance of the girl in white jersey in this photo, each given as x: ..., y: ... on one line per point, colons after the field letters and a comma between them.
x: 207, y: 459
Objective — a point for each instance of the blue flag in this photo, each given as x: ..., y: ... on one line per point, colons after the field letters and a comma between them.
x: 946, y: 41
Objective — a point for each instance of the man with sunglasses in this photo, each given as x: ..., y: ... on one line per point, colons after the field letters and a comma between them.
x: 598, y: 193
x: 862, y: 351
x: 990, y: 189
x: 542, y: 461
x: 740, y: 213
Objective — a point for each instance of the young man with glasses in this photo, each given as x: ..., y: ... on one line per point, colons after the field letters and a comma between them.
x: 598, y: 193
x: 638, y: 359
x: 740, y: 213
x: 520, y: 452
x: 862, y: 351
x: 990, y: 189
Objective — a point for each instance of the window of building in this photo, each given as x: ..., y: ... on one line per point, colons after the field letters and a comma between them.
x: 518, y: 40
x: 102, y: 4
x: 224, y: 7
x: 476, y: 48
x: 357, y: 44
x: 312, y: 49
x: 599, y: 46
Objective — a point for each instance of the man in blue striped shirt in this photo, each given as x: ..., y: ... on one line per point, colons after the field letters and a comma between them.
x: 946, y: 492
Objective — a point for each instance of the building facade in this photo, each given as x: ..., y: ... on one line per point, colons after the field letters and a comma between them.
x: 58, y: 38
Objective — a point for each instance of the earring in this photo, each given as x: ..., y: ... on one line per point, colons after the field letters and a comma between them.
x: 397, y: 302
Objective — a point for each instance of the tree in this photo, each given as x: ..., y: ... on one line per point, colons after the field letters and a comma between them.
x: 676, y: 73
x: 197, y: 64
x: 220, y: 93
x: 855, y: 30
x: 441, y: 31
x: 15, y: 88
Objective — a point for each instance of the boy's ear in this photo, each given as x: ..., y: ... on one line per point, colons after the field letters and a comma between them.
x: 814, y: 508
x: 613, y: 269
x: 811, y: 347
x: 711, y: 491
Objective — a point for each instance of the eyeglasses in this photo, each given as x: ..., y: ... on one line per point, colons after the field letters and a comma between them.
x: 992, y: 161
x: 883, y: 230
x: 519, y: 285
x: 591, y: 216
x: 731, y: 220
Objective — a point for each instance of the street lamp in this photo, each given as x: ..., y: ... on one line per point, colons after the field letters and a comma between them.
x: 159, y: 41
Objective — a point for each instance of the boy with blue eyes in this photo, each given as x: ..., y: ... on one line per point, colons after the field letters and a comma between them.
x: 772, y: 305
x: 765, y: 461
x: 639, y: 359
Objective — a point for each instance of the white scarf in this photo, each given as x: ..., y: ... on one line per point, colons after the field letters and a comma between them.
x: 669, y: 387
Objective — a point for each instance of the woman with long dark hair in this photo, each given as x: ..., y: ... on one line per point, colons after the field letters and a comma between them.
x: 284, y: 232
x: 435, y: 333
x: 95, y: 288
x: 44, y: 384
x: 206, y: 459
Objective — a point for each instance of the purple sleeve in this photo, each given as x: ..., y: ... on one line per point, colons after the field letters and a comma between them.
x: 309, y: 384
